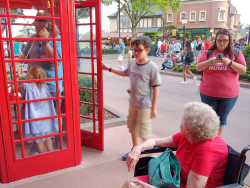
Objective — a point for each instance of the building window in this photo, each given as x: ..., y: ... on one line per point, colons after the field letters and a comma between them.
x: 141, y: 23
x: 125, y: 22
x: 202, y: 16
x: 181, y: 15
x: 150, y: 22
x: 192, y: 16
x: 222, y: 15
x: 145, y: 22
x: 237, y: 21
x: 170, y: 17
x: 154, y: 24
x: 158, y: 22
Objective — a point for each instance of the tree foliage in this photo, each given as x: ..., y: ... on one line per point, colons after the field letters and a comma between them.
x: 151, y: 34
x: 24, y: 32
x: 15, y: 11
x: 136, y: 9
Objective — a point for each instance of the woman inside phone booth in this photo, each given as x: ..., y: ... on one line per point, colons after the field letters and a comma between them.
x: 221, y: 65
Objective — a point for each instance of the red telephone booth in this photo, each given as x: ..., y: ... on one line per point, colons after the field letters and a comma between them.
x: 51, y: 99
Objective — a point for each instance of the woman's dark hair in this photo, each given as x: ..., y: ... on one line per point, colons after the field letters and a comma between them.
x: 230, y: 47
x: 188, y: 45
x: 143, y: 40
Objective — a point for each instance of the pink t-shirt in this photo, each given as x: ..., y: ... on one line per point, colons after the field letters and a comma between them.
x: 220, y: 80
x: 208, y: 158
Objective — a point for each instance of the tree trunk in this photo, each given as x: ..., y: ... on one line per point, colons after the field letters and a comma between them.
x: 134, y: 31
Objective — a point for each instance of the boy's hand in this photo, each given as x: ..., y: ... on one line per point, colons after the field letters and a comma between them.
x: 104, y: 66
x: 153, y: 113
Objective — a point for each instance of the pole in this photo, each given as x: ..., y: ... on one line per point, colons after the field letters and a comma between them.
x: 183, y: 36
x: 119, y: 19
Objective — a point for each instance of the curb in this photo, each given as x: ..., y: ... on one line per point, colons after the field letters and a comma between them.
x: 120, y: 120
x: 244, y: 85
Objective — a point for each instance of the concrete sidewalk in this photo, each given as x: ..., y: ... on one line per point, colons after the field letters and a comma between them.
x: 105, y: 169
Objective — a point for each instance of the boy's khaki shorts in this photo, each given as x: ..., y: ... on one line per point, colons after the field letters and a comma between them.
x: 139, y: 121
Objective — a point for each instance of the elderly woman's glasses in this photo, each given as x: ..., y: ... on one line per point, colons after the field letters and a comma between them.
x: 137, y: 51
x: 224, y: 41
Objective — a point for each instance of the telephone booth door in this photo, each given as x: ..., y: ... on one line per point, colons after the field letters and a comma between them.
x: 89, y: 53
x: 38, y: 129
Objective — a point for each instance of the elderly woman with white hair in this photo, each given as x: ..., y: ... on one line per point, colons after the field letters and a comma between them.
x: 202, y: 153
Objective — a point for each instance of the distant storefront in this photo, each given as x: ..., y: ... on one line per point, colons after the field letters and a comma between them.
x: 197, y: 33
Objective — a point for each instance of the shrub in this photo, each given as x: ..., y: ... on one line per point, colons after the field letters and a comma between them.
x: 112, y: 51
x: 246, y: 53
x: 86, y: 95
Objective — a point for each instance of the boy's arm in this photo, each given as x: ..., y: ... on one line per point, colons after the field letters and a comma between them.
x: 156, y: 91
x: 116, y: 71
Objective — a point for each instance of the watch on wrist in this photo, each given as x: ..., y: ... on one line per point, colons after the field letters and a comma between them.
x: 110, y: 69
x: 45, y: 42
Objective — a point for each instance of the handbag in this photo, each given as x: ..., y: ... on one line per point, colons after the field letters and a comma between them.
x: 164, y: 171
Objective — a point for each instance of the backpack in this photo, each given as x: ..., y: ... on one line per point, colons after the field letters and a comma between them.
x: 178, y: 59
x: 165, y: 170
x: 168, y: 63
x: 189, y: 56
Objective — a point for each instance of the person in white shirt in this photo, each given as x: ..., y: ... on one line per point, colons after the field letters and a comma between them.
x: 159, y: 45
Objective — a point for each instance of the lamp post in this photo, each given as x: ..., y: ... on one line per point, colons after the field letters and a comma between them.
x: 211, y: 31
x: 127, y: 39
x: 184, y: 21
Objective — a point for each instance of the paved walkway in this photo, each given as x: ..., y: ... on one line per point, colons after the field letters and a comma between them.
x: 105, y: 169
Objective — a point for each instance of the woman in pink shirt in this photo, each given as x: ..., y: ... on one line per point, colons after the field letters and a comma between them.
x: 220, y: 86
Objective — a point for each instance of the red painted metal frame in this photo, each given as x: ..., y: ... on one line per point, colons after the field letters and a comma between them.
x: 93, y: 139
x: 11, y: 168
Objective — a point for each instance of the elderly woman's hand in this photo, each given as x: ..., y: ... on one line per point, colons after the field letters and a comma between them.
x: 133, y: 157
x: 139, y: 182
x: 44, y: 33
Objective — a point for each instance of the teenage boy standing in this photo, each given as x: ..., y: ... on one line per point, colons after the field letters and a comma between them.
x: 144, y: 83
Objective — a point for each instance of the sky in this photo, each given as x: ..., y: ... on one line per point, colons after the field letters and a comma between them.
x: 242, y: 6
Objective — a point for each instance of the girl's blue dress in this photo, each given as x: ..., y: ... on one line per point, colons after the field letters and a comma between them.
x: 38, y: 110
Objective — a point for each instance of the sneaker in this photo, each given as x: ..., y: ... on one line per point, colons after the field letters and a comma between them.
x: 33, y: 150
x: 195, y: 78
x: 183, y: 82
x: 124, y: 157
x: 121, y: 68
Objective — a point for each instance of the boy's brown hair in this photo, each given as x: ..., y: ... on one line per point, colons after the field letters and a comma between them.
x: 143, y: 40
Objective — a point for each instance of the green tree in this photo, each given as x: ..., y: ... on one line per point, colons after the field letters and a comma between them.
x: 24, y: 32
x: 136, y: 9
x: 167, y: 29
x: 15, y: 11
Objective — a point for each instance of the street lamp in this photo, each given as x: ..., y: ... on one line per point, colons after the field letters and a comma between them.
x: 109, y: 41
x: 184, y: 20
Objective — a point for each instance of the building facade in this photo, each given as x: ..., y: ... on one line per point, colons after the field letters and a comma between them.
x: 204, y: 15
x: 146, y: 23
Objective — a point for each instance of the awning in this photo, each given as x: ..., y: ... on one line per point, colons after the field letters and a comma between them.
x: 122, y: 35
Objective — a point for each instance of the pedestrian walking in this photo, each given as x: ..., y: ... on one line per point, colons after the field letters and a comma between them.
x: 187, y: 61
x: 220, y: 86
x: 198, y: 49
x: 144, y: 84
x: 121, y: 51
x: 163, y: 50
x: 159, y: 43
x: 177, y: 47
x: 207, y: 43
x: 170, y: 48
